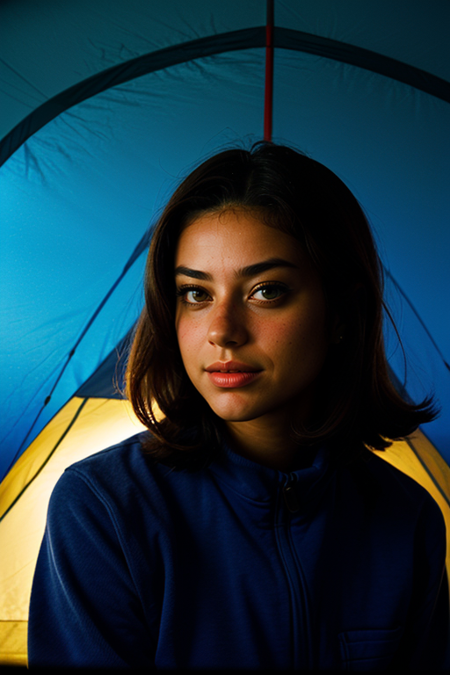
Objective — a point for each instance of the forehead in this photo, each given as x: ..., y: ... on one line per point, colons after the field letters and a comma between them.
x: 235, y: 235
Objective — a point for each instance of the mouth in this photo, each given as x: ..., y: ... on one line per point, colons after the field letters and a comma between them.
x: 231, y: 367
x: 232, y: 375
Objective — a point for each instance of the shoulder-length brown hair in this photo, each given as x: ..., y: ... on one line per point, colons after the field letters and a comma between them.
x: 358, y: 404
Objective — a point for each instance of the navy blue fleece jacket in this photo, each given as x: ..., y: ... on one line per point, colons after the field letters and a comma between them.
x: 240, y: 566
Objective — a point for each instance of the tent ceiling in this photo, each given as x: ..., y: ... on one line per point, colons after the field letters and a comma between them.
x: 49, y: 46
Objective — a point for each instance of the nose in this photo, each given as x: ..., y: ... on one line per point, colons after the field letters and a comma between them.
x: 227, y: 327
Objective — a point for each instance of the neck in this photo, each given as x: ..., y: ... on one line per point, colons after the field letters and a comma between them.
x: 269, y: 444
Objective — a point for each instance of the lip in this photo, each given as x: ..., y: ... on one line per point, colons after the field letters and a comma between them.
x: 227, y: 366
x: 232, y: 380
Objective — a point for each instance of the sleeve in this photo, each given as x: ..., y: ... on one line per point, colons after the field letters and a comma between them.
x: 428, y: 636
x: 85, y: 610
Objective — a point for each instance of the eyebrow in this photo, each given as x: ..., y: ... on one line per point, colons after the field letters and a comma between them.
x: 249, y: 271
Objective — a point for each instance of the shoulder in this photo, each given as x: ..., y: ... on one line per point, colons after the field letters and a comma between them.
x: 124, y: 458
x: 118, y: 499
x: 399, y: 493
x: 115, y: 476
x: 393, y: 481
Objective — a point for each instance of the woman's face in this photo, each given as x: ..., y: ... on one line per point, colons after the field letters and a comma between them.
x: 250, y: 317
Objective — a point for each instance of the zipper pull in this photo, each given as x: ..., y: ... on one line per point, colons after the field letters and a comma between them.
x: 290, y: 498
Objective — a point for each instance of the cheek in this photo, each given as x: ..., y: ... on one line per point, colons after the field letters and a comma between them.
x: 296, y: 339
x: 298, y: 329
x: 188, y: 335
x: 276, y: 333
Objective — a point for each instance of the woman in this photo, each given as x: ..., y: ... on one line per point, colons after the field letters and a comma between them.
x: 252, y: 527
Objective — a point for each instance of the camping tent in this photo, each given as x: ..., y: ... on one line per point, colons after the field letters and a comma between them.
x: 105, y: 105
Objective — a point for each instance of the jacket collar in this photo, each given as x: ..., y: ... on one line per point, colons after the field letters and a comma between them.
x: 260, y: 483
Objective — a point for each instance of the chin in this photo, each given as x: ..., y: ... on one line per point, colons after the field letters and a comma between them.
x: 236, y: 413
x: 233, y: 413
x: 234, y: 416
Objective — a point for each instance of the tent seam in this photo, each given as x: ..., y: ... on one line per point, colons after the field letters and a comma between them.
x: 55, y: 447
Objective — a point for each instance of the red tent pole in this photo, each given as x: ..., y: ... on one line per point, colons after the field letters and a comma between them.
x: 268, y: 94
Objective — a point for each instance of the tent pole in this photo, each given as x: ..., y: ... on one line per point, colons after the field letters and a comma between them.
x: 268, y: 93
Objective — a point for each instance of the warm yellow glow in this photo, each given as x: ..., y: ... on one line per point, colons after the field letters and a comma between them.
x: 13, y: 643
x: 101, y: 422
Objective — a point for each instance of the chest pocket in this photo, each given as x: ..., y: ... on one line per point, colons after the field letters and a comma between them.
x: 366, y: 651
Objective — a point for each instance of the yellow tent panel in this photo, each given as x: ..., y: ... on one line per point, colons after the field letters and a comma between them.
x: 24, y: 495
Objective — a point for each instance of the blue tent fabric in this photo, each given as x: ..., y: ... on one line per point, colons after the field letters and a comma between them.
x: 107, y: 105
x: 284, y: 38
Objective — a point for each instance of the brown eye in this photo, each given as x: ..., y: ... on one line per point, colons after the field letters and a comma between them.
x: 196, y: 296
x: 269, y: 292
x: 192, y: 295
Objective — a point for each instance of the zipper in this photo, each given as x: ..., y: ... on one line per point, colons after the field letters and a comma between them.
x: 290, y: 496
x: 301, y: 630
